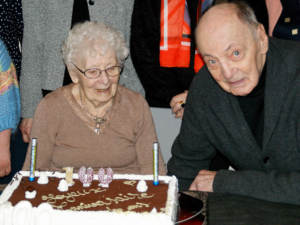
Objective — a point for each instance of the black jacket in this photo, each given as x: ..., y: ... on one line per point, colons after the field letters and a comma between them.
x: 213, y: 120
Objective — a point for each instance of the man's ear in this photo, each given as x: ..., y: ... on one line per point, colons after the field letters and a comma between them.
x: 72, y: 74
x: 263, y: 39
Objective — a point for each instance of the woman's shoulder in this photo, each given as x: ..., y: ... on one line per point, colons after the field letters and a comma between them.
x: 133, y: 105
x: 132, y: 101
x: 54, y: 98
x: 131, y: 96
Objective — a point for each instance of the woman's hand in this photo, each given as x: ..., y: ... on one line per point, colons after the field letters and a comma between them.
x: 5, y: 164
x: 177, y: 104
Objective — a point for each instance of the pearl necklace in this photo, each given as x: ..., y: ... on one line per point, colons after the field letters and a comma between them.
x: 98, y: 120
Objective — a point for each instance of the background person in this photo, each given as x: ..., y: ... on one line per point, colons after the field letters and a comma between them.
x: 164, y: 78
x: 11, y: 34
x: 10, y: 108
x: 284, y: 17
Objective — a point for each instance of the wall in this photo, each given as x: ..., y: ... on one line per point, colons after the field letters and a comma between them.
x: 167, y: 129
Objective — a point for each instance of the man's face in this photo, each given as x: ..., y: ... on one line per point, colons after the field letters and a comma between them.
x: 233, y: 56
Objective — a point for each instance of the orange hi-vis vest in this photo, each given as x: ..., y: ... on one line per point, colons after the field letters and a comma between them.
x: 175, y: 46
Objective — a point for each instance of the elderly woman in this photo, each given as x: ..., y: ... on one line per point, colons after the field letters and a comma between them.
x: 94, y: 122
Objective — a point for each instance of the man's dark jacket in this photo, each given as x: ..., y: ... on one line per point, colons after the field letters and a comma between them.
x: 214, y: 120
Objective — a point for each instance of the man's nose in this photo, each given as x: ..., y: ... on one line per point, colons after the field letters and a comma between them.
x: 227, y: 70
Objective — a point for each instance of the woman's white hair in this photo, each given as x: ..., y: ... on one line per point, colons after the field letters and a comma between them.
x: 84, y: 36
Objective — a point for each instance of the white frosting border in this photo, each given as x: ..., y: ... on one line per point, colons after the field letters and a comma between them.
x: 35, y: 215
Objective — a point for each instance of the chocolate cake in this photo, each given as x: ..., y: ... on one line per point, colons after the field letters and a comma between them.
x: 120, y: 202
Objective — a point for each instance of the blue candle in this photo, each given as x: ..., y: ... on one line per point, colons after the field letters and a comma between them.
x: 32, y: 161
x: 155, y: 163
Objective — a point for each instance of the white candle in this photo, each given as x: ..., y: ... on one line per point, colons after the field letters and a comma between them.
x: 69, y: 175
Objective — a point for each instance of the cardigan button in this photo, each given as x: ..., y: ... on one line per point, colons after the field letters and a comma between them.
x: 266, y: 159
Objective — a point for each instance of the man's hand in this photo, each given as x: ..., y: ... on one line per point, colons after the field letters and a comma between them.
x: 204, y: 181
x: 5, y: 166
x: 176, y: 104
x: 25, y: 128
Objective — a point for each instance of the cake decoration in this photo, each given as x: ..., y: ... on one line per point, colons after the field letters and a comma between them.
x: 63, y: 185
x: 30, y: 189
x: 153, y: 210
x: 142, y: 186
x: 69, y: 197
x: 86, y: 178
x: 21, y: 214
x: 110, y: 201
x: 137, y: 205
x: 69, y: 175
x: 155, y: 163
x: 30, y: 192
x: 44, y: 214
x: 32, y: 160
x: 109, y: 177
x: 130, y: 182
x: 43, y: 178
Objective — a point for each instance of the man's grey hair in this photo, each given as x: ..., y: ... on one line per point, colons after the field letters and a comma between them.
x: 84, y: 36
x: 246, y: 14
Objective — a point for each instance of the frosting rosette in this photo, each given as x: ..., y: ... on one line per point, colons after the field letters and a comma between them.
x: 43, y: 179
x: 63, y: 185
x: 142, y: 186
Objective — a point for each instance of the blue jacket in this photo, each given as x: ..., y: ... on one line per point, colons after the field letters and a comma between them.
x: 10, y: 106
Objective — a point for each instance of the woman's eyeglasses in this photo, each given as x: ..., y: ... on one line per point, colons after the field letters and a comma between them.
x: 94, y: 73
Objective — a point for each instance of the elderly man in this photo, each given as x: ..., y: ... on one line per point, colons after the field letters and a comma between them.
x: 245, y: 103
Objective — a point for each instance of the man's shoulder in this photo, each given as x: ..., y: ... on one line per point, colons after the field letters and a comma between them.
x: 286, y: 48
x: 284, y: 44
x: 286, y: 54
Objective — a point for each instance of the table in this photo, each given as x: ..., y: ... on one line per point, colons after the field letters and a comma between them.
x: 190, y: 203
x: 232, y: 209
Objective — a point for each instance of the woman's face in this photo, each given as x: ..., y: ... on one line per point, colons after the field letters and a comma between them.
x: 101, y: 90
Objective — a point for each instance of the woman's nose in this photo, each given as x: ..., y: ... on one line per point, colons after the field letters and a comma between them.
x: 104, y: 79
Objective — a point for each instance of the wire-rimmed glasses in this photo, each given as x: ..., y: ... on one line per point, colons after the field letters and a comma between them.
x: 93, y: 73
